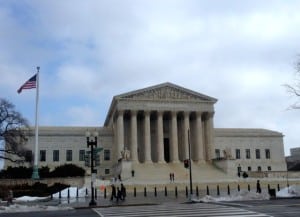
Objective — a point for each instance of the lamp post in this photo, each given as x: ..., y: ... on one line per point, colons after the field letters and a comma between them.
x: 92, y: 143
x: 190, y: 167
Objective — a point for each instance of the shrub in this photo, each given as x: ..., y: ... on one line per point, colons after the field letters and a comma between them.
x: 68, y: 170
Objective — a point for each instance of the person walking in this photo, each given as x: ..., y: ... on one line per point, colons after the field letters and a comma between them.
x: 258, y: 188
x: 113, y: 192
x: 123, y: 192
x: 119, y: 194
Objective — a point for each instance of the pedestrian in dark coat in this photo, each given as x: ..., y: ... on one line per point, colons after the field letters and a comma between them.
x: 113, y: 192
x: 123, y: 192
x: 258, y: 188
x: 119, y: 194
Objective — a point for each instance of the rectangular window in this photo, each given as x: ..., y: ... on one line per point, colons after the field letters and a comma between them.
x: 42, y: 155
x: 257, y: 153
x: 55, y: 155
x: 217, y: 153
x: 259, y: 168
x: 237, y: 154
x: 248, y: 156
x: 106, y: 171
x: 249, y: 168
x: 69, y: 155
x: 268, y: 154
x: 106, y: 154
x: 81, y: 155
x: 269, y: 168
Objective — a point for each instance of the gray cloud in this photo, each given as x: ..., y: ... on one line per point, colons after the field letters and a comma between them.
x: 240, y: 52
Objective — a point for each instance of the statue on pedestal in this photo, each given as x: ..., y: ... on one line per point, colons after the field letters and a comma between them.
x: 125, y: 154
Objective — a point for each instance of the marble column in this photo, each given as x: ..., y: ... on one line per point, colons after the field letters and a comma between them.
x: 120, y: 133
x: 210, y: 136
x: 199, y: 154
x: 133, y: 136
x: 174, y: 137
x: 147, y: 135
x: 186, y: 128
x: 160, y: 138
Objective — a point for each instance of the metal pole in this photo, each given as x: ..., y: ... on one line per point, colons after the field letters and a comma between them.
x: 92, y: 143
x: 190, y: 165
x: 35, y: 173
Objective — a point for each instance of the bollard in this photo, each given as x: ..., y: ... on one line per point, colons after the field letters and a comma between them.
x: 77, y: 193
x: 155, y: 192
x: 166, y: 191
x: 105, y: 193
x: 186, y: 191
x: 86, y: 192
x: 134, y: 192
x: 239, y: 187
x: 145, y: 192
x: 278, y: 187
x: 207, y: 190
x: 95, y: 193
x: 248, y: 187
x: 218, y: 190
x: 68, y: 193
x: 197, y: 191
x: 176, y: 193
x: 228, y: 189
x: 59, y: 194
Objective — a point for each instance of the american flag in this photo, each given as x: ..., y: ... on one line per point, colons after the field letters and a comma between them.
x: 30, y: 84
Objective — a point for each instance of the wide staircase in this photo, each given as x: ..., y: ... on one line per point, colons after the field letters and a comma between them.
x: 156, y: 173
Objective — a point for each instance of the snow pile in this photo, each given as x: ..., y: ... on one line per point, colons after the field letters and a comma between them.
x: 26, y: 208
x: 28, y: 199
x: 72, y: 192
x: 292, y: 191
x: 238, y: 196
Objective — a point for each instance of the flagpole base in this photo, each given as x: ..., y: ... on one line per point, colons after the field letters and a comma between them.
x: 35, y: 173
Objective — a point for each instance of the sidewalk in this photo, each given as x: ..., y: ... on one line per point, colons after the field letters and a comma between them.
x: 140, y: 199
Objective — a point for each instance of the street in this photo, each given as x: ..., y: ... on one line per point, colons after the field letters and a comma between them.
x: 258, y: 208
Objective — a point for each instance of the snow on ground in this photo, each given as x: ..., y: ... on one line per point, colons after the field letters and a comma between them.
x: 238, y: 196
x: 72, y: 192
x: 28, y: 198
x: 292, y: 191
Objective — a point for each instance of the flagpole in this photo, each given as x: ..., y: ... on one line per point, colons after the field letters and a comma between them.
x: 35, y: 173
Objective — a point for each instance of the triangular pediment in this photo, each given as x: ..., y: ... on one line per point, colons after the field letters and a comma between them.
x: 166, y: 91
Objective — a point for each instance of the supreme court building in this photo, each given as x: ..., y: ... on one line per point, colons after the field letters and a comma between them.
x: 147, y: 134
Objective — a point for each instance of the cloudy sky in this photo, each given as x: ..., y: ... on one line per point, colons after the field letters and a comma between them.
x: 240, y: 52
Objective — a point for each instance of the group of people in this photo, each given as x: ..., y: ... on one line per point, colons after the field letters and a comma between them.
x: 118, y: 192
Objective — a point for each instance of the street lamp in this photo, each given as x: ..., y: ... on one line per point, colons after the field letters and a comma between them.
x: 190, y: 164
x: 91, y: 143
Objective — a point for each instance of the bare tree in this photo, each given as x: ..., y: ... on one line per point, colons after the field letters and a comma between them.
x: 294, y: 89
x: 14, y: 129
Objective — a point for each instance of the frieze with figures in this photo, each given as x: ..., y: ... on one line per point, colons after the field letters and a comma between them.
x: 164, y: 93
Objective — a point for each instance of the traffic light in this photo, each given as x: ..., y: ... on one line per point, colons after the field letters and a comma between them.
x: 186, y: 163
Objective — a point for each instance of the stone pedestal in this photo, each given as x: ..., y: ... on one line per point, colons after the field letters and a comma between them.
x: 126, y: 169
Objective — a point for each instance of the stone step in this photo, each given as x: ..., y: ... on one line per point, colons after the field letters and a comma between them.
x: 160, y: 173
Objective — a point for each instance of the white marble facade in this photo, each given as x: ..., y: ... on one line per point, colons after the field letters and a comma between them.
x: 156, y: 125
